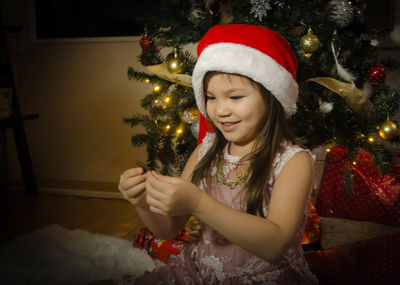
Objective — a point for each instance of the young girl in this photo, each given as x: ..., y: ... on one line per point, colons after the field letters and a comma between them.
x: 249, y: 183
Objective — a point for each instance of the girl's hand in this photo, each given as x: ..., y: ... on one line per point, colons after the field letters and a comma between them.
x: 132, y: 185
x: 171, y: 195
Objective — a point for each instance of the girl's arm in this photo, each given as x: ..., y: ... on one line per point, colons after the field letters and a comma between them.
x: 268, y: 238
x: 165, y: 226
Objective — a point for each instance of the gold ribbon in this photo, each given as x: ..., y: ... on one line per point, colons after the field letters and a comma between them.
x: 161, y: 71
x: 353, y: 96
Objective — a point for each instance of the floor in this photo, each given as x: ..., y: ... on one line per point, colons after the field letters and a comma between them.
x: 25, y: 213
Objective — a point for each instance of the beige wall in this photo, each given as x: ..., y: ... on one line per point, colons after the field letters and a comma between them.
x: 81, y: 92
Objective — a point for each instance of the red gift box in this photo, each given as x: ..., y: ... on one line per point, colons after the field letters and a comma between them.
x: 161, y: 249
x: 369, y: 262
x: 375, y: 197
x: 312, y: 232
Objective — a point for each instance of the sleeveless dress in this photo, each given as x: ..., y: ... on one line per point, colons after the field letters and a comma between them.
x: 215, y: 260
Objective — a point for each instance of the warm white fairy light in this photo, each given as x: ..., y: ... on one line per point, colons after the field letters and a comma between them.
x: 156, y: 88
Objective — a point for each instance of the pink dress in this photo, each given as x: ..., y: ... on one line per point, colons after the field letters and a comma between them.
x: 215, y: 260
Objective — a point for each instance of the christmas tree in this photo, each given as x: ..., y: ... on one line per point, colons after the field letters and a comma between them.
x: 343, y: 99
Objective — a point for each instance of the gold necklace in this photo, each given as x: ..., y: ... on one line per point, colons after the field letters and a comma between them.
x: 233, y: 182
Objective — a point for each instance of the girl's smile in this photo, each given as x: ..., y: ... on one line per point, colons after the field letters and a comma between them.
x: 236, y: 107
x: 229, y: 126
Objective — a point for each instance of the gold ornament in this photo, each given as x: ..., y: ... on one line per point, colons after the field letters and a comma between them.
x: 388, y: 130
x: 175, y: 65
x: 190, y: 116
x: 309, y: 43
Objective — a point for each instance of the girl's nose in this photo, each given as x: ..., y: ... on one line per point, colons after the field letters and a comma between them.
x: 222, y: 110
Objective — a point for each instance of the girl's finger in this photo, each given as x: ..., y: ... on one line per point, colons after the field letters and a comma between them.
x: 153, y: 190
x: 135, y: 200
x: 135, y: 191
x: 157, y: 211
x: 131, y: 172
x: 151, y: 201
x: 129, y: 183
x: 157, y: 184
x: 166, y: 179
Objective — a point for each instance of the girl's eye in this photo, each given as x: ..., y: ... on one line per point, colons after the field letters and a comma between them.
x: 209, y: 97
x: 236, y: 97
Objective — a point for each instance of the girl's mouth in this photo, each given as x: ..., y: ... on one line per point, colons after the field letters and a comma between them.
x: 228, y: 126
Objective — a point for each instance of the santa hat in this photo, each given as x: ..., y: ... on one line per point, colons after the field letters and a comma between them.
x: 253, y: 51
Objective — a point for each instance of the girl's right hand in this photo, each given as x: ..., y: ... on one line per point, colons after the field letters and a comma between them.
x: 132, y: 185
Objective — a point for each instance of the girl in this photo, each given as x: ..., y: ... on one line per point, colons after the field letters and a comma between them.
x: 249, y: 183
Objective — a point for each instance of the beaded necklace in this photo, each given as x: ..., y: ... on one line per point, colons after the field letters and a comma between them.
x: 231, y: 183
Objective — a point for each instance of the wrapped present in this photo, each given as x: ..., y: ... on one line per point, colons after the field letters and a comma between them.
x: 161, y: 249
x: 373, y: 261
x: 312, y: 232
x: 358, y: 190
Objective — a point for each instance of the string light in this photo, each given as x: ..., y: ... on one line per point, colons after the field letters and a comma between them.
x: 328, y: 149
x: 156, y: 88
x: 167, y: 127
x: 179, y: 131
x: 166, y: 100
x: 156, y: 101
x: 354, y: 162
x: 371, y: 139
x: 147, y: 80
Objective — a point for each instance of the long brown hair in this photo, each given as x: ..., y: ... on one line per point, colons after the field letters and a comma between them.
x: 272, y: 134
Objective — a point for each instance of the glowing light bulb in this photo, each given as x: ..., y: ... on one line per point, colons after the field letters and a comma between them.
x: 328, y: 149
x: 371, y: 139
x: 179, y: 131
x: 166, y: 100
x: 167, y: 127
x: 156, y: 88
x: 147, y: 80
x: 354, y: 162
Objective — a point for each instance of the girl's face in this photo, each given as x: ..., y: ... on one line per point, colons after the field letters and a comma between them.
x: 236, y: 107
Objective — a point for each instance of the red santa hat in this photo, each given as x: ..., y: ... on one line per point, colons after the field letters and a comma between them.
x: 253, y: 51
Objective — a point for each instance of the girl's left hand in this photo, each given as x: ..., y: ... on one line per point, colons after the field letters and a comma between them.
x: 171, y: 195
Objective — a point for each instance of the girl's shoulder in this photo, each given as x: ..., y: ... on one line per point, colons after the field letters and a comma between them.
x: 288, y: 151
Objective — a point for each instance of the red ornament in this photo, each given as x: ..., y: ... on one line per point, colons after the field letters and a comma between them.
x: 145, y: 43
x: 376, y: 74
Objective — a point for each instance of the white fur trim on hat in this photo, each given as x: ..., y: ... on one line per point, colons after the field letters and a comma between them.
x: 247, y: 61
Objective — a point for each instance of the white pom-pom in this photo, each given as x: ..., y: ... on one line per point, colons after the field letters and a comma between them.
x: 374, y: 42
x: 326, y: 107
